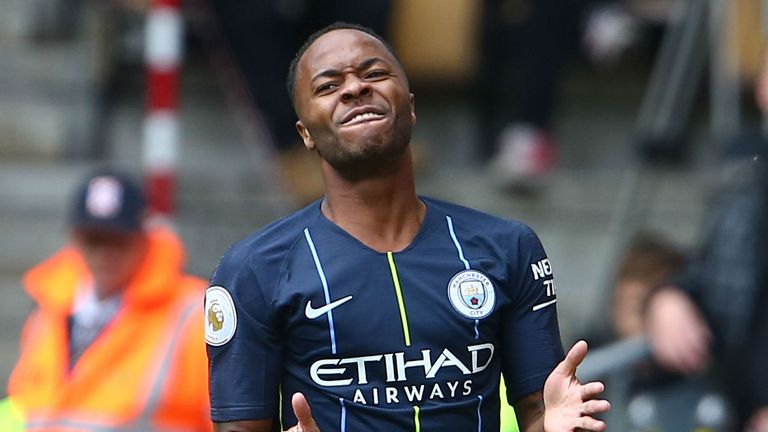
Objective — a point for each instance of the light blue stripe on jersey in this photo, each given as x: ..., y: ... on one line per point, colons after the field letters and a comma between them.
x: 464, y: 260
x: 343, y: 426
x: 327, y: 294
x: 456, y: 243
x: 479, y: 416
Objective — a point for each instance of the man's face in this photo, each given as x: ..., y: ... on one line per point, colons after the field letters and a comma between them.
x: 112, y: 257
x: 353, y: 102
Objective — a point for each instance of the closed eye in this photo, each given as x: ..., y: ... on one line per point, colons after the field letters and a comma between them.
x: 326, y: 87
x: 376, y: 73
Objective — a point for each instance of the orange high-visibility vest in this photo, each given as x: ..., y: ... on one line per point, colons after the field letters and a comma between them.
x: 145, y: 371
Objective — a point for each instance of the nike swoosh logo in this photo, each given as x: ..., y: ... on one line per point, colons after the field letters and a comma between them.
x: 313, y: 313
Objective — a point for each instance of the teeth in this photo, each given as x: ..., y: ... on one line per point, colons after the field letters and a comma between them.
x: 363, y: 116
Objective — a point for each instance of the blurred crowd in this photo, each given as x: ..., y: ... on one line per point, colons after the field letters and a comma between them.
x: 699, y: 309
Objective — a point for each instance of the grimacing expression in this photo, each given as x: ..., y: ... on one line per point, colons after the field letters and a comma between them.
x: 353, y: 101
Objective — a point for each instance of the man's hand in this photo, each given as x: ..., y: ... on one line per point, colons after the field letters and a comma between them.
x: 568, y: 404
x: 679, y: 335
x: 306, y: 423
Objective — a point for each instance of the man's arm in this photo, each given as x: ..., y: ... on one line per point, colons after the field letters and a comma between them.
x: 239, y: 333
x: 679, y: 335
x: 306, y: 423
x: 244, y: 426
x: 530, y: 412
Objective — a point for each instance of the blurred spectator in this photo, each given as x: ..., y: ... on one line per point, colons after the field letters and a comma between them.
x: 523, y: 48
x: 713, y: 310
x: 648, y: 263
x: 525, y: 45
x: 263, y: 37
x: 115, y: 340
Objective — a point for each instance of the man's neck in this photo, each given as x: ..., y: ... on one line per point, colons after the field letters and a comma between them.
x: 383, y: 213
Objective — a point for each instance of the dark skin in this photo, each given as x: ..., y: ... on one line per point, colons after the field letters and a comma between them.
x: 356, y: 111
x: 366, y: 163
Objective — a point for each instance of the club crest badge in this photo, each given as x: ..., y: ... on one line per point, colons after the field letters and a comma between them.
x: 220, y: 316
x: 472, y: 294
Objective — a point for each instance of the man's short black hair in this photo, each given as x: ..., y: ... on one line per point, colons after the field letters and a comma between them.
x: 339, y: 25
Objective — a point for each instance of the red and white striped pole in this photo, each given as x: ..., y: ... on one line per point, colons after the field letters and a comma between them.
x: 163, y: 53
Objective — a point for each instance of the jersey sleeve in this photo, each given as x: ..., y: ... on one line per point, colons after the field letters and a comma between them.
x: 244, y: 368
x: 531, y: 346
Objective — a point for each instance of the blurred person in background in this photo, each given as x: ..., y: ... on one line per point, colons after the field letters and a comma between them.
x: 269, y: 32
x: 525, y: 46
x: 716, y: 309
x: 649, y: 261
x: 115, y: 338
x: 713, y: 310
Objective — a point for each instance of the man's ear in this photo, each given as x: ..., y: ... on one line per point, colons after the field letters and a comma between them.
x: 309, y: 143
x: 412, y: 99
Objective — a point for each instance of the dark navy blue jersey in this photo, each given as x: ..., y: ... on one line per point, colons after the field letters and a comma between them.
x: 382, y: 341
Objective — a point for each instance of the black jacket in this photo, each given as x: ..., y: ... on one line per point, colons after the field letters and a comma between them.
x: 728, y: 279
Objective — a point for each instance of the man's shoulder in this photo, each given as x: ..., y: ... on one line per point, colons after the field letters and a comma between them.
x: 479, y: 220
x: 268, y: 246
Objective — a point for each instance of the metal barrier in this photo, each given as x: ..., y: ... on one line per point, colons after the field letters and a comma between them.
x: 687, y: 405
x: 613, y: 358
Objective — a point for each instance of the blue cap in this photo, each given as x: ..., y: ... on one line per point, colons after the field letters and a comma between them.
x: 108, y: 200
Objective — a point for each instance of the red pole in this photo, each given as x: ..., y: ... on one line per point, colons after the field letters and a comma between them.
x: 163, y: 53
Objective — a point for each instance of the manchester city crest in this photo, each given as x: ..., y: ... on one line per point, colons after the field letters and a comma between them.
x: 472, y: 294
